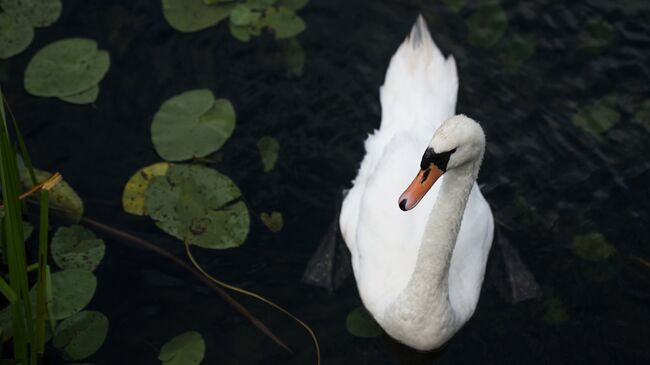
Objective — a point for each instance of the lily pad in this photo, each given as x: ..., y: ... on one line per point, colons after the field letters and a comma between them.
x: 185, y: 349
x: 194, y: 15
x: 361, y: 324
x: 81, y: 335
x: 241, y: 33
x: 192, y: 124
x: 243, y: 15
x: 592, y: 247
x: 284, y: 22
x: 133, y: 194
x: 486, y: 26
x: 84, y: 97
x: 66, y: 67
x: 272, y: 221
x: 269, y: 148
x: 199, y: 206
x: 63, y: 199
x: 16, y: 33
x: 76, y: 247
x: 597, y: 118
x: 72, y: 290
x: 40, y: 13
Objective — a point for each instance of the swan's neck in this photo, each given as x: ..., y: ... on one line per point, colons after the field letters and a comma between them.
x: 423, y: 310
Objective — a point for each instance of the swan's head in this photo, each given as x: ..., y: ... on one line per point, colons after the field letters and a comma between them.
x: 458, y: 142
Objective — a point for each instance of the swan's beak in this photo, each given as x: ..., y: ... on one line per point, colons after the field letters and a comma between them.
x: 419, y: 187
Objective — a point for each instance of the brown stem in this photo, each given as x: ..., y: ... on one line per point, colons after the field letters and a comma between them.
x: 136, y: 241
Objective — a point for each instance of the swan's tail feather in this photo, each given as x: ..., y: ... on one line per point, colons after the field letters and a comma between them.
x: 419, y: 73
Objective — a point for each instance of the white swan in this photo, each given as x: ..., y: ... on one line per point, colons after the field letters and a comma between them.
x: 419, y: 272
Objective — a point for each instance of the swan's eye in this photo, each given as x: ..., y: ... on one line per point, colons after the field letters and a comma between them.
x: 439, y: 159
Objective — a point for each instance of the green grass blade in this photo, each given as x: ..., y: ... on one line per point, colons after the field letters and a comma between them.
x: 21, y: 144
x: 6, y: 290
x: 41, y: 284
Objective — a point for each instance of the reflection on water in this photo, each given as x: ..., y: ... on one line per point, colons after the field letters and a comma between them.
x: 561, y: 89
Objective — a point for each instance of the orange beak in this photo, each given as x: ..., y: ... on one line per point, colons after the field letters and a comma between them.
x: 419, y: 187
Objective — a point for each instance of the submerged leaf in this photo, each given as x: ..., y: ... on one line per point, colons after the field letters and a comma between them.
x: 294, y: 56
x: 596, y: 118
x: 598, y: 34
x: 192, y: 124
x: 81, y: 335
x: 285, y: 23
x: 185, y: 349
x: 15, y: 35
x: 455, y: 5
x: 40, y: 13
x: 592, y: 247
x: 66, y: 67
x: 194, y: 15
x: 84, y: 97
x: 555, y: 311
x: 293, y: 4
x: 269, y: 148
x: 361, y: 324
x: 272, y: 221
x: 516, y: 49
x: 63, y: 199
x: 133, y: 194
x: 76, y: 247
x: 72, y: 290
x: 199, y: 206
x: 642, y: 115
x: 486, y: 26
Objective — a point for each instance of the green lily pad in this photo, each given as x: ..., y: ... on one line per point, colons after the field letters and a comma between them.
x: 40, y: 13
x: 199, y: 206
x: 72, y: 290
x: 486, y: 26
x: 516, y: 49
x: 293, y: 4
x: 285, y: 23
x: 63, y: 199
x: 194, y: 15
x: 361, y: 324
x: 133, y: 194
x: 84, y: 97
x: 192, y: 124
x: 294, y: 56
x: 455, y: 5
x: 592, y: 247
x: 243, y: 15
x: 556, y: 312
x: 16, y: 34
x: 269, y: 148
x: 185, y: 349
x: 272, y: 221
x: 76, y: 247
x: 241, y: 33
x: 66, y: 67
x: 81, y: 335
x: 642, y: 115
x: 259, y: 4
x: 596, y: 118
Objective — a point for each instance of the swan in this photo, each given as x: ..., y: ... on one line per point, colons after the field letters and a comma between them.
x: 419, y: 271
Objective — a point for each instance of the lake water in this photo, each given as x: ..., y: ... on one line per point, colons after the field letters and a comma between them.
x: 550, y: 178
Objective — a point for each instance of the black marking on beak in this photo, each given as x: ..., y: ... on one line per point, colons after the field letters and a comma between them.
x: 425, y: 175
x: 402, y: 205
x: 439, y: 159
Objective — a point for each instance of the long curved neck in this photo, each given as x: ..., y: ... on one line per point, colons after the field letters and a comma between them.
x: 424, y: 303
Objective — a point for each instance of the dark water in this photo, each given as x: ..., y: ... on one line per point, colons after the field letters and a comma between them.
x: 546, y: 179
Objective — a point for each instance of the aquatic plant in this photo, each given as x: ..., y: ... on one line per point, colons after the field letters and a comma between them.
x: 486, y: 25
x: 18, y: 19
x: 185, y: 349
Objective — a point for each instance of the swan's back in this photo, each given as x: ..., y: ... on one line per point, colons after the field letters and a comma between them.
x: 418, y: 94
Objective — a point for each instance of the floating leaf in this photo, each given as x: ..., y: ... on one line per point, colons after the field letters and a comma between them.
x: 455, y: 5
x: 133, y: 194
x: 294, y: 56
x: 516, y: 49
x: 72, y: 290
x: 193, y: 15
x: 63, y: 199
x: 555, y: 311
x: 597, y: 118
x: 76, y: 247
x: 285, y: 23
x: 84, y: 97
x: 81, y: 335
x: 268, y: 148
x: 293, y: 4
x: 192, y: 124
x: 592, y: 247
x: 486, y: 26
x: 185, y: 349
x: 240, y: 32
x: 199, y: 206
x: 242, y: 15
x: 642, y: 115
x: 15, y: 35
x: 259, y: 4
x: 66, y: 67
x: 40, y: 13
x: 273, y: 221
x: 361, y: 324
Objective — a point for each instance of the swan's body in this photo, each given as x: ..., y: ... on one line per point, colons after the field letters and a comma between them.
x: 419, y: 273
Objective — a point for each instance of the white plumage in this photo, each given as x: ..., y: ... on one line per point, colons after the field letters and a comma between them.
x: 419, y: 272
